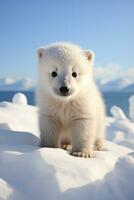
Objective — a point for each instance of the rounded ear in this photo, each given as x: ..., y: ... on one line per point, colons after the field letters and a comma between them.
x: 40, y: 52
x: 90, y: 55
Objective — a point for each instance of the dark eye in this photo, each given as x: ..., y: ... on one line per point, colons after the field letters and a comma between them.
x: 54, y: 74
x: 74, y: 74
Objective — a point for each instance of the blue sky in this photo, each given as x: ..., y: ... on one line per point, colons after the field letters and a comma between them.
x: 106, y: 26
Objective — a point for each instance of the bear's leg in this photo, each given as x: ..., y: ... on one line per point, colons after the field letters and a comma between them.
x: 83, y: 137
x: 99, y: 144
x: 49, y: 132
x: 65, y: 144
x: 99, y: 141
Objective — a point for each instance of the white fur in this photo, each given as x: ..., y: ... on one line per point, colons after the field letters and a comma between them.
x: 78, y: 118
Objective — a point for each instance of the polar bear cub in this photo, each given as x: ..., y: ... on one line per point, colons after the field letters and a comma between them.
x: 71, y: 109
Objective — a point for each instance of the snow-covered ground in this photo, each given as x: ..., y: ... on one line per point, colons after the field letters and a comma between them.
x: 28, y: 172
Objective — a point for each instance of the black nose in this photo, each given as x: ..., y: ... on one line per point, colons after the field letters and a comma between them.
x: 64, y: 90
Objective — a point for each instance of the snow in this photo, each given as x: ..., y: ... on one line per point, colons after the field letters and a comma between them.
x: 116, y: 85
x: 30, y: 172
x: 118, y: 113
x: 131, y: 108
x: 19, y: 98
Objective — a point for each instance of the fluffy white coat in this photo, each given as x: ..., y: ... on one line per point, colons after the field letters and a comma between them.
x: 79, y: 117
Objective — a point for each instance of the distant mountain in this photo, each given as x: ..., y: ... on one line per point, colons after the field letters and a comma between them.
x: 121, y: 84
x: 17, y: 84
x: 129, y: 88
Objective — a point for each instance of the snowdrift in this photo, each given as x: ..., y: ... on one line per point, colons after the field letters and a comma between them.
x: 28, y: 172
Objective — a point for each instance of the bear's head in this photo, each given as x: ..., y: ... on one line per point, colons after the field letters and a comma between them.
x: 64, y: 69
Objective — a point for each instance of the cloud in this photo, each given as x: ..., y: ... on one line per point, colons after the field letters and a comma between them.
x: 129, y: 74
x: 113, y: 78
x: 107, y: 73
x: 10, y: 83
x: 112, y: 72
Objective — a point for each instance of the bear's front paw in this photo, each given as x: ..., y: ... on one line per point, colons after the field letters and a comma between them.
x: 65, y: 146
x: 98, y: 146
x: 81, y: 154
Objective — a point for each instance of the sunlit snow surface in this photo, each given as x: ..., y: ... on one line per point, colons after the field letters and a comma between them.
x: 28, y: 172
x: 19, y: 98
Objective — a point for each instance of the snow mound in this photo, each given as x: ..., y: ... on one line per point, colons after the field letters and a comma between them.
x: 19, y: 98
x: 120, y: 129
x: 117, y: 184
x: 15, y: 138
x: 118, y: 113
x: 53, y: 173
x: 19, y: 117
x: 131, y: 108
x: 30, y: 172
